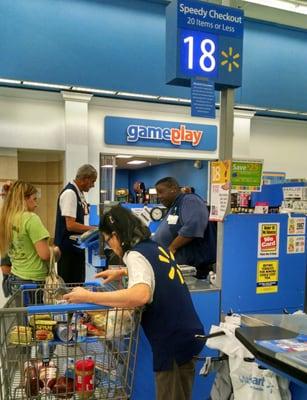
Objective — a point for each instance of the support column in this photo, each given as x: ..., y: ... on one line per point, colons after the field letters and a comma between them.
x: 225, y: 153
x: 76, y: 132
x: 242, y: 133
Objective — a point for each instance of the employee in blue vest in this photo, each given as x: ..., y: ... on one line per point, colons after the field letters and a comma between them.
x: 169, y: 320
x: 186, y: 230
x: 71, y: 209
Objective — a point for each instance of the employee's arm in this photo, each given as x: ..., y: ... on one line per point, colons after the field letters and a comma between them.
x: 136, y: 296
x: 178, y: 242
x: 73, y: 226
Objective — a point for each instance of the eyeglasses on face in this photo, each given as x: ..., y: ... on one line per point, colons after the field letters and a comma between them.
x: 107, y: 238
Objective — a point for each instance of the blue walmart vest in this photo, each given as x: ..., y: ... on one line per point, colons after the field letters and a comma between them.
x: 61, y: 236
x: 170, y: 321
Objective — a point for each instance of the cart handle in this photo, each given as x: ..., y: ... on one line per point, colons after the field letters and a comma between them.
x: 28, y: 286
x: 63, y: 308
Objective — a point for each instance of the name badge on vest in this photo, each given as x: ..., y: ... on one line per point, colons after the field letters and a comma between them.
x: 172, y: 219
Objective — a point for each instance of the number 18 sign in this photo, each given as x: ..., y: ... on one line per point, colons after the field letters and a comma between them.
x: 203, y: 40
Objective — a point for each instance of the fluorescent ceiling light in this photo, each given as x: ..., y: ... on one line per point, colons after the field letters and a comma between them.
x: 136, y: 162
x: 136, y: 95
x: 188, y: 101
x: 165, y: 98
x: 123, y: 156
x: 302, y: 113
x: 282, y: 111
x: 46, y: 85
x: 107, y: 166
x: 102, y: 91
x: 251, y: 108
x: 11, y: 81
x: 281, y: 5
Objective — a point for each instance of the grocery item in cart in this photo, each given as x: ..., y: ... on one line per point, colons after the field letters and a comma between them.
x: 39, y: 317
x: 64, y: 387
x: 43, y: 334
x: 33, y: 385
x: 114, y: 323
x: 92, y: 330
x: 44, y: 324
x: 84, y: 371
x: 48, y: 371
x: 20, y: 334
x: 69, y: 368
x: 64, y: 332
x: 79, y: 332
x: 47, y: 375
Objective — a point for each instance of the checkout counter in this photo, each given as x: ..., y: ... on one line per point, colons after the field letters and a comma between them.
x: 279, y: 343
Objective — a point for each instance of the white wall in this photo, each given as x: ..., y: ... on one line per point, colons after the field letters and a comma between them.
x: 31, y: 119
x: 36, y: 120
x: 281, y: 143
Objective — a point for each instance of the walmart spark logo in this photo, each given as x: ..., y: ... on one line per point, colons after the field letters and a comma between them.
x: 230, y: 59
x: 170, y: 259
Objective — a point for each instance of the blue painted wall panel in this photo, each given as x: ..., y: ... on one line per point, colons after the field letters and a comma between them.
x: 102, y: 44
x: 273, y: 194
x: 121, y: 45
x: 274, y: 67
x: 240, y: 268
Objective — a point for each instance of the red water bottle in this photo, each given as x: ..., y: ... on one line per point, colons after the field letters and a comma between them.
x: 84, y: 373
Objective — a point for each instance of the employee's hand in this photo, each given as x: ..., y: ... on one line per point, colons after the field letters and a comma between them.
x: 78, y: 295
x: 110, y: 275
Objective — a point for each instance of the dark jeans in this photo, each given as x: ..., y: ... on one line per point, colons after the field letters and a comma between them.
x: 5, y: 285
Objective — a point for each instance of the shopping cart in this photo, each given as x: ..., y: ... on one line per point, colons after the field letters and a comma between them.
x: 68, y: 351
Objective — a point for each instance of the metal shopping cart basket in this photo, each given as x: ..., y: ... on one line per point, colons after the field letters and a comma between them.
x: 68, y: 351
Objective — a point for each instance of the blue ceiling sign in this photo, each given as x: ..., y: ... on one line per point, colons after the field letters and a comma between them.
x: 204, y: 40
x: 162, y: 134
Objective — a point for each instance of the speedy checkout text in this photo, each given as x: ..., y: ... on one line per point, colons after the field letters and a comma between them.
x: 202, y: 18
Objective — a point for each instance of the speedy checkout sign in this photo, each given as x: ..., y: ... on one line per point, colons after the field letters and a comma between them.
x: 163, y: 134
x: 204, y: 40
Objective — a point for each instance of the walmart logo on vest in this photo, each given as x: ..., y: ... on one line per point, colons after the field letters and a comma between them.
x: 160, y: 134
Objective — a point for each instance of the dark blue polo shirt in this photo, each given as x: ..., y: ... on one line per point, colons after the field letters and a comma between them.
x: 192, y: 220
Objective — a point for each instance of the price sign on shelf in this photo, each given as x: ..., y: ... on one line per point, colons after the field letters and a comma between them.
x: 204, y: 40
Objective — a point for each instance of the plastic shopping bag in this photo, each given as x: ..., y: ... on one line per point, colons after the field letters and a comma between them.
x: 253, y: 383
x: 53, y: 283
x: 228, y: 343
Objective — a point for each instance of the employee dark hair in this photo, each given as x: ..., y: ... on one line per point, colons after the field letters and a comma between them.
x: 168, y: 181
x: 127, y: 226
